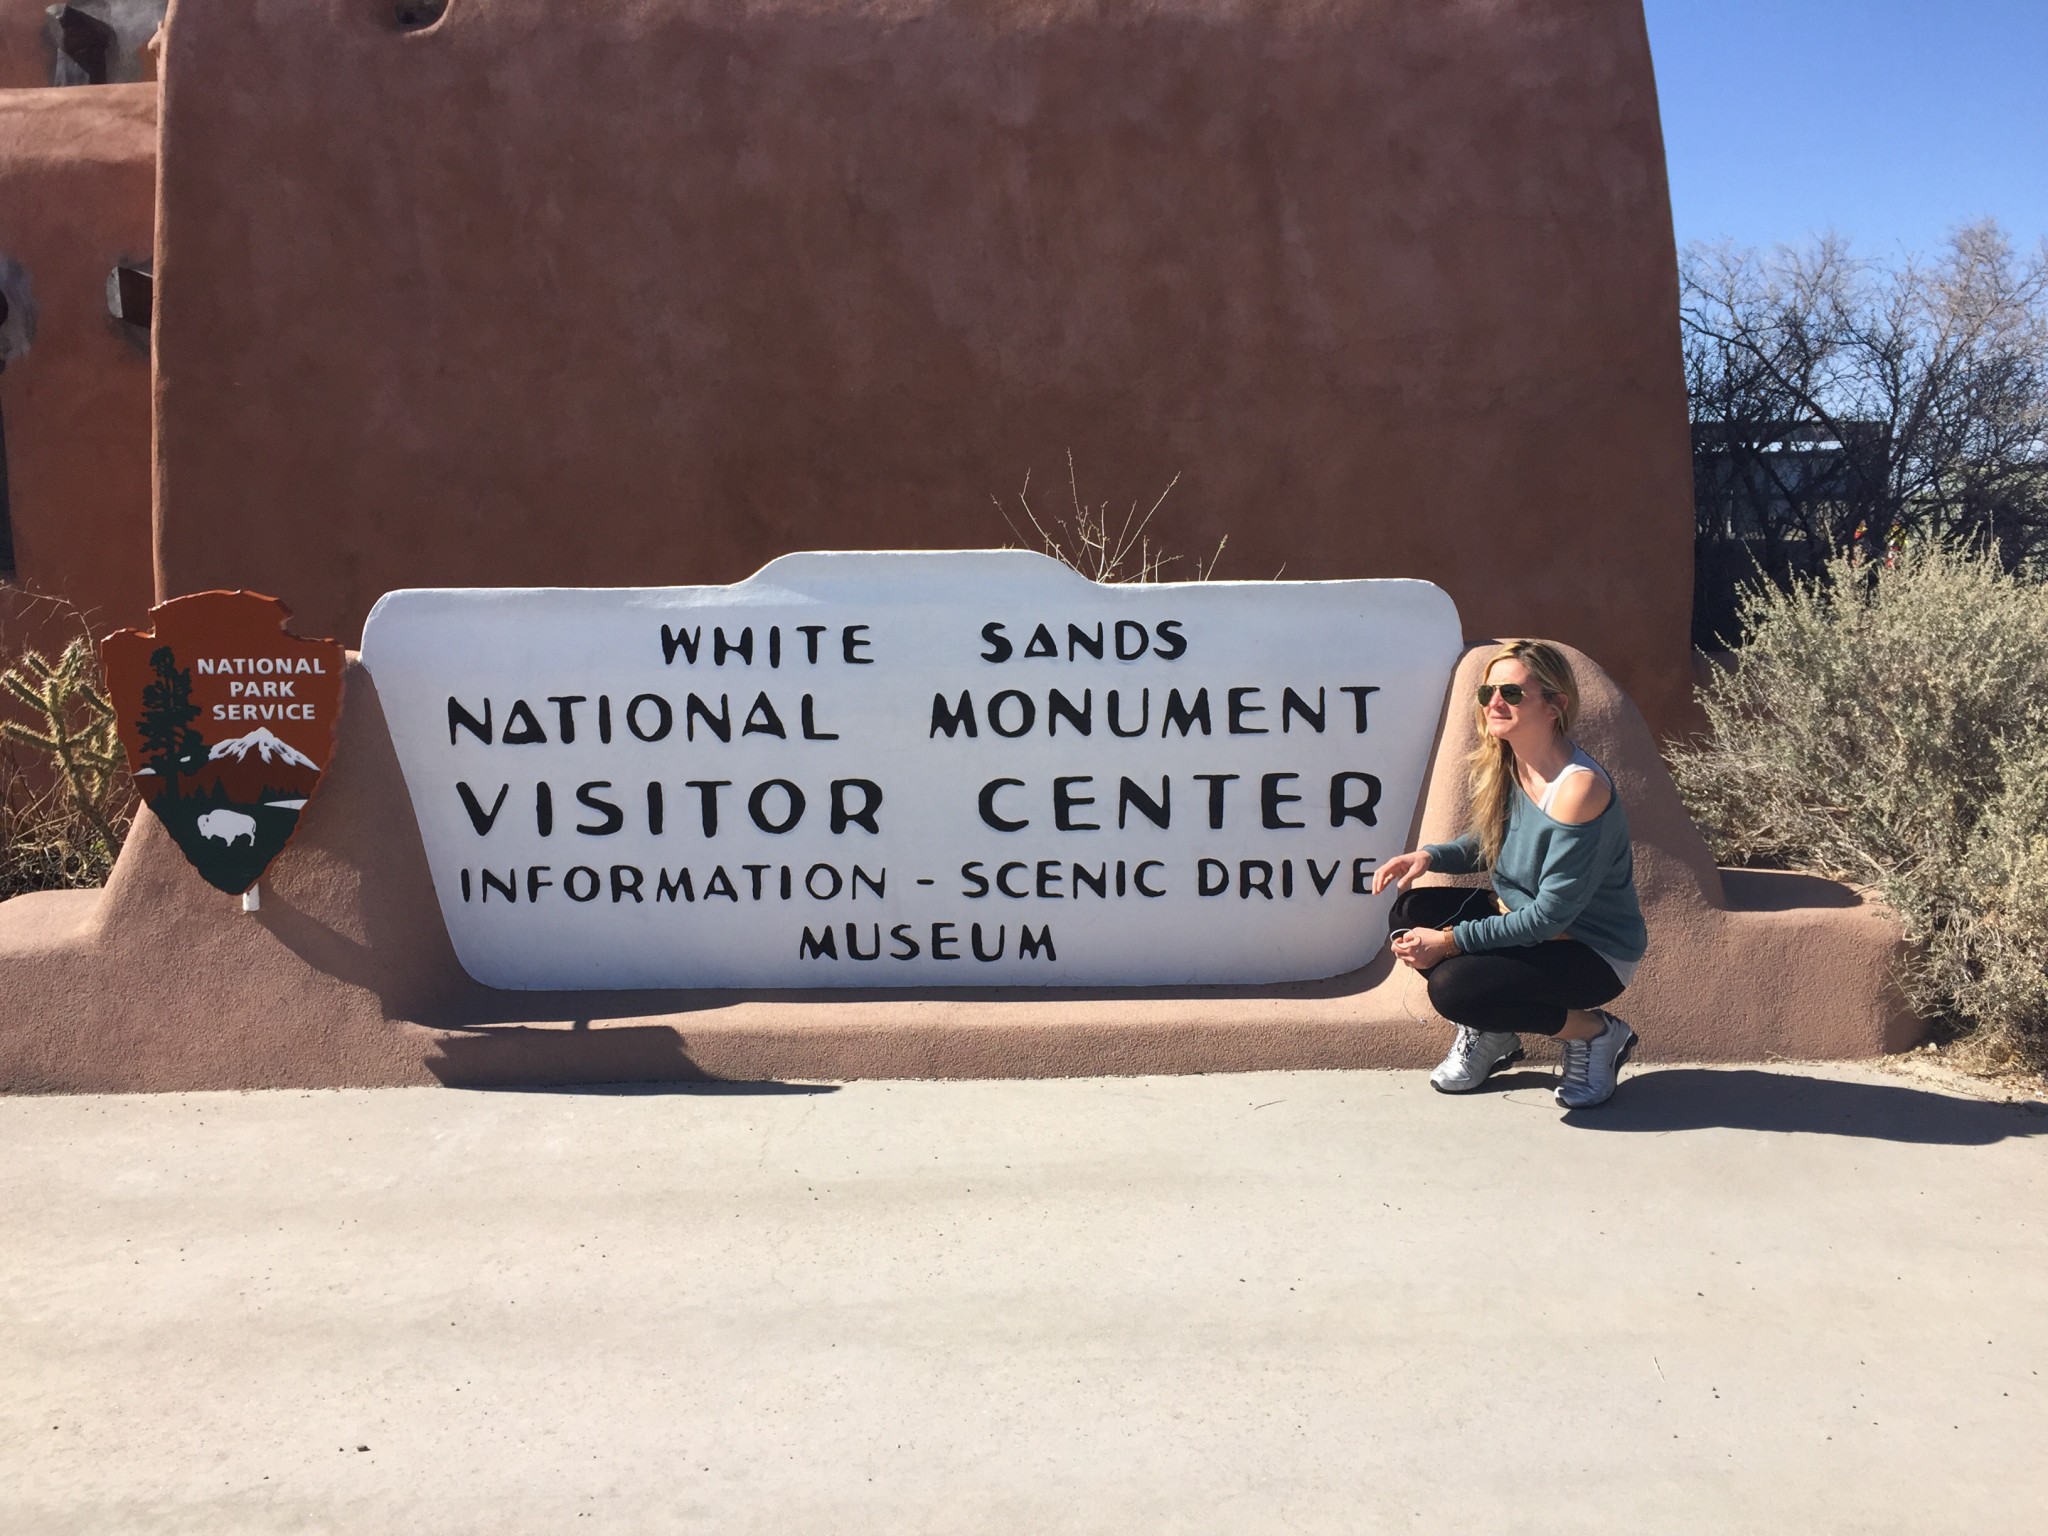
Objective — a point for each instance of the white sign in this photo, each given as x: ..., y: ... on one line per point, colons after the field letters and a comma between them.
x: 887, y: 770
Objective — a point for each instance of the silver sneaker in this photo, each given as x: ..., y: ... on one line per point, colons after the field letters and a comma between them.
x: 1475, y: 1056
x: 1592, y: 1067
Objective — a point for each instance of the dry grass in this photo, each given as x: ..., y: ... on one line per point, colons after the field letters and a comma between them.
x: 1097, y: 543
x: 1889, y: 726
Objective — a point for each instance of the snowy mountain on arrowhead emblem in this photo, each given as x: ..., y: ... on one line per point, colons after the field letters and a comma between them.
x: 257, y: 767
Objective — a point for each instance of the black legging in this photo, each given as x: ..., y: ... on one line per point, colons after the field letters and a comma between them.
x: 1524, y: 990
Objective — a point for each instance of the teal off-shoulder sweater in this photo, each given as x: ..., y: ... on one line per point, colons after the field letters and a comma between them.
x: 1555, y: 879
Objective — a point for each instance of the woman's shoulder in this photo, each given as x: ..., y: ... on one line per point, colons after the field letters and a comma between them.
x: 1585, y: 796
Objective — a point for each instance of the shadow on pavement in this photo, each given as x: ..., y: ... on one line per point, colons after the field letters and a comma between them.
x: 1692, y: 1099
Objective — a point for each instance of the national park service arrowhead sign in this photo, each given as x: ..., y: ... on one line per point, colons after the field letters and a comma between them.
x: 228, y: 724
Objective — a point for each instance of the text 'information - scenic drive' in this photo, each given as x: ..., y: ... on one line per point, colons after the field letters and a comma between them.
x: 913, y: 770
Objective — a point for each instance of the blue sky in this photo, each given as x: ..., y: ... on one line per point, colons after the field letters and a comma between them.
x: 1889, y: 121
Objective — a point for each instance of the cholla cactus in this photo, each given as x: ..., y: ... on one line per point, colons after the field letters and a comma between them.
x: 87, y: 754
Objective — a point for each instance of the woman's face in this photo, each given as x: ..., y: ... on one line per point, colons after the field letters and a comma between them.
x: 1531, y: 720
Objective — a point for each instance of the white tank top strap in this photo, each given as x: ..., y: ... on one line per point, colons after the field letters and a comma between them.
x: 1581, y: 763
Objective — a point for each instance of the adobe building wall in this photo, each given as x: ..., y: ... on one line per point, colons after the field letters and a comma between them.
x: 77, y: 194
x: 655, y: 292
x: 346, y: 975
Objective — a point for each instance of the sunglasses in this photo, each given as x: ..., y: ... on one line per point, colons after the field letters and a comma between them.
x: 1511, y: 694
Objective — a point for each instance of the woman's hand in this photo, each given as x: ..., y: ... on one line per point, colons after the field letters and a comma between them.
x: 1423, y: 947
x: 1402, y: 868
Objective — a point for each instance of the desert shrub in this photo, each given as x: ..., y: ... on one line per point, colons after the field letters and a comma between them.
x: 65, y: 795
x: 1888, y: 725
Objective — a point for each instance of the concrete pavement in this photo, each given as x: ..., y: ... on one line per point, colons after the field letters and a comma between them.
x: 1804, y: 1299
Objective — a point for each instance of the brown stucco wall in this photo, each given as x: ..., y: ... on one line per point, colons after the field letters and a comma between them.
x: 654, y: 291
x: 346, y: 975
x: 77, y: 193
x: 26, y: 56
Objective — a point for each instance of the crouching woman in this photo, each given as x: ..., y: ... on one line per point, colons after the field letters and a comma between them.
x: 1560, y: 933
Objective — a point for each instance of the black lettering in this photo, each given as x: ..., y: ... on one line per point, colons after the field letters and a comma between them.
x: 1002, y: 935
x: 1138, y: 647
x: 1212, y: 877
x: 774, y: 645
x: 1239, y: 708
x: 521, y: 720
x: 1058, y: 704
x: 571, y: 885
x: 1321, y: 881
x: 1292, y: 704
x: 988, y: 806
x: 1159, y: 812
x: 1358, y: 697
x: 758, y: 800
x: 721, y: 723
x: 853, y: 942
x: 664, y: 717
x: 952, y: 720
x: 1049, y: 878
x: 604, y: 719
x: 862, y: 878
x: 1003, y: 879
x: 544, y: 809
x: 535, y: 883
x: 1138, y: 878
x: 910, y: 950
x: 838, y: 882
x: 614, y: 818
x: 995, y: 717
x: 565, y: 709
x: 810, y: 722
x: 1097, y: 879
x: 666, y: 889
x: 685, y: 640
x: 849, y: 642
x: 654, y: 808
x: 1341, y: 807
x: 810, y: 632
x: 623, y: 887
x: 1079, y: 639
x: 1271, y: 799
x: 818, y: 946
x: 1171, y: 644
x: 754, y: 874
x: 1185, y: 716
x: 507, y: 887
x: 1144, y: 719
x: 942, y: 935
x: 1064, y: 801
x: 720, y: 884
x: 1361, y: 876
x: 977, y: 881
x: 707, y: 801
x: 999, y: 646
x: 1030, y: 946
x: 479, y: 818
x: 458, y: 716
x: 1246, y: 884
x: 844, y: 816
x: 1215, y: 781
x: 722, y: 647
x: 1042, y: 644
x: 762, y: 719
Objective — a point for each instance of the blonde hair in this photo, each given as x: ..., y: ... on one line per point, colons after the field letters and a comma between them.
x: 1492, y: 764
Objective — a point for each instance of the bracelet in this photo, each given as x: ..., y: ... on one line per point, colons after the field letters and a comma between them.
x: 1451, y: 937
